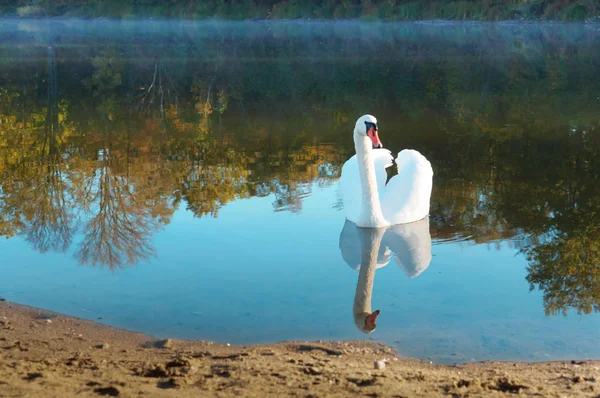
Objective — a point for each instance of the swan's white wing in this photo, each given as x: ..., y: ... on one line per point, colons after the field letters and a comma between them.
x: 383, y: 159
x: 406, y: 196
x: 350, y: 187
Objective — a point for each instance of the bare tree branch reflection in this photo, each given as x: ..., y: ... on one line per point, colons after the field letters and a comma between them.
x: 49, y: 215
x: 119, y: 233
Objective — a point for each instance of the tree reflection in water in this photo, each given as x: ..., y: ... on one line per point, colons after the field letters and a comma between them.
x: 106, y: 140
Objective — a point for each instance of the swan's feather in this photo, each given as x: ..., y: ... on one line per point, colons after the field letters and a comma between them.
x: 406, y: 196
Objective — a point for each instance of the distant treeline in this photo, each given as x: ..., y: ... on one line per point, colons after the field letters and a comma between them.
x: 485, y: 10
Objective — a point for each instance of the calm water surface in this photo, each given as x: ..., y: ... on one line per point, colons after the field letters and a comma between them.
x: 180, y: 179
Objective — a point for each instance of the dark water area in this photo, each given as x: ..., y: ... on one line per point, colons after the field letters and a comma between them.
x: 181, y: 179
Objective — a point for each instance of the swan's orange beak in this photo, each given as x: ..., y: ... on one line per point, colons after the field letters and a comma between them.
x: 372, y: 133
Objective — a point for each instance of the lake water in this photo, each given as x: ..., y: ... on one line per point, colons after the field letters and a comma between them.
x: 181, y: 179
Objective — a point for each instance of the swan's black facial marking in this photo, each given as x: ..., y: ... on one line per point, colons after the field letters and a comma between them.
x: 370, y: 126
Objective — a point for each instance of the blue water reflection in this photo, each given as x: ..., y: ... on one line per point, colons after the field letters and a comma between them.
x: 254, y: 275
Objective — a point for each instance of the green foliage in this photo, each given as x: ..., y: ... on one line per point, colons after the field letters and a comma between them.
x: 567, y: 268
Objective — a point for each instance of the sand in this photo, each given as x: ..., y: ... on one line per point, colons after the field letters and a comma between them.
x: 44, y: 354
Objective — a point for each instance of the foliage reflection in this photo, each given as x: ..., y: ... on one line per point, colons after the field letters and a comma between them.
x: 107, y: 139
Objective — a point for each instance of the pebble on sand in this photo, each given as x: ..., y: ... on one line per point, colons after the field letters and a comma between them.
x: 379, y: 364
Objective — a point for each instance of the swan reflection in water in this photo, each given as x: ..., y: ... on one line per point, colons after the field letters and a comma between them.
x: 366, y: 249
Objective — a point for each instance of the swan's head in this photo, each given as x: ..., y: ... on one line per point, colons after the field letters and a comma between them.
x: 366, y: 126
x: 366, y: 322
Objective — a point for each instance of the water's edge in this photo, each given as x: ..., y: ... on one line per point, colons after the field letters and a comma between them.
x: 46, y: 315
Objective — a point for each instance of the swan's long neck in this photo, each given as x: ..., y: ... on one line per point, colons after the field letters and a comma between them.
x: 370, y: 241
x: 371, y: 214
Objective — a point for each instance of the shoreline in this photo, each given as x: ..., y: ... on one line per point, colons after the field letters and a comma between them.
x: 42, y: 352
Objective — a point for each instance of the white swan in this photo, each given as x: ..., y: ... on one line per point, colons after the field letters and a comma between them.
x: 371, y: 203
x: 367, y: 249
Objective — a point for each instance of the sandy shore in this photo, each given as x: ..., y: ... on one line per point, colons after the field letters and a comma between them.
x: 51, y: 355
